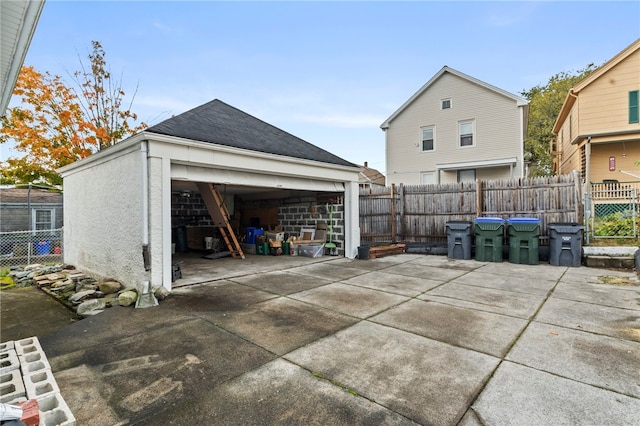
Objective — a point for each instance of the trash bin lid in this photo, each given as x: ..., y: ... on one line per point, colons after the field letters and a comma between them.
x: 489, y: 220
x: 555, y: 224
x: 531, y: 220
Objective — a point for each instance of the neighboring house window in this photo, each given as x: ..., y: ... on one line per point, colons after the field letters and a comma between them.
x: 466, y: 133
x: 43, y: 219
x: 633, y: 107
x: 428, y: 178
x: 445, y: 103
x: 466, y: 175
x: 428, y: 138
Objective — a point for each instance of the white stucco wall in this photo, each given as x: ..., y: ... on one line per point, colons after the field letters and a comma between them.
x: 103, y: 216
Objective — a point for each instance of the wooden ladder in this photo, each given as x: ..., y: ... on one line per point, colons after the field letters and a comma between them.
x: 220, y: 215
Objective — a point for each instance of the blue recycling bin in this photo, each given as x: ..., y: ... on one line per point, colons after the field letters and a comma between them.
x: 43, y: 247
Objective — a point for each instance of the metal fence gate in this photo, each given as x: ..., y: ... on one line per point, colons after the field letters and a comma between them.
x: 611, y: 213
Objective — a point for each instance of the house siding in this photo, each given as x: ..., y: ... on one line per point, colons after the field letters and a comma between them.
x: 604, y: 104
x: 625, y: 157
x: 497, y: 131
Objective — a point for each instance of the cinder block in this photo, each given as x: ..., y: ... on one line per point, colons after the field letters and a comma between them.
x: 9, y: 361
x: 5, y: 346
x: 54, y: 411
x: 33, y: 367
x: 11, y: 387
x: 40, y: 383
x: 32, y: 357
x: 28, y: 345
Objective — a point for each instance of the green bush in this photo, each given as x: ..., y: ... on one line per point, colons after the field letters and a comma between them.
x: 619, y: 224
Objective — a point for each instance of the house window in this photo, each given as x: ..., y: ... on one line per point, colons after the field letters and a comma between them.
x: 428, y: 178
x: 445, y: 103
x: 466, y: 133
x: 633, y: 107
x: 43, y: 219
x: 428, y: 138
x: 466, y: 175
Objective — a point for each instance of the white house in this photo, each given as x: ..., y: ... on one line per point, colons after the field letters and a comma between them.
x: 456, y: 128
x: 118, y: 202
x: 18, y: 21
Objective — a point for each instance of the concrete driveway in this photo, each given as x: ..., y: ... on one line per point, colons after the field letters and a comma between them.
x: 405, y: 339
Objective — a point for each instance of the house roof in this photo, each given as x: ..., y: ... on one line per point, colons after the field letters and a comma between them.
x: 24, y: 195
x: 603, y: 69
x: 519, y: 101
x: 369, y: 175
x: 18, y: 21
x: 218, y: 123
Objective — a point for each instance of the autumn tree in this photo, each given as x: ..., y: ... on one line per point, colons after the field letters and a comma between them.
x: 55, y: 124
x: 101, y: 99
x: 545, y: 103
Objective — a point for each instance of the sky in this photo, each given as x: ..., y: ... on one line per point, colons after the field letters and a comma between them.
x: 329, y: 72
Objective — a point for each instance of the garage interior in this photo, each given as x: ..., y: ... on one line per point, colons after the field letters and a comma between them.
x: 199, y: 250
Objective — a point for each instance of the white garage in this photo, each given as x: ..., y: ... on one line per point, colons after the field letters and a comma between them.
x: 124, y: 204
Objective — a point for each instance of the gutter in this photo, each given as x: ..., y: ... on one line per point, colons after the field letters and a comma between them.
x: 605, y: 134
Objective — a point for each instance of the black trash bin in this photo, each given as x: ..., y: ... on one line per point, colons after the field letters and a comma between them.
x: 565, y: 244
x: 458, y: 239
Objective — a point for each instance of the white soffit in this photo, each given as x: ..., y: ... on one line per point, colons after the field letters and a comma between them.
x: 252, y: 178
x: 477, y: 164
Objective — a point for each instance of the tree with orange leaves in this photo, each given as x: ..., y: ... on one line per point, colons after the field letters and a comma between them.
x: 56, y: 125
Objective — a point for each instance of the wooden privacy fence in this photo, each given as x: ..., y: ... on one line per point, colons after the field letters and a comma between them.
x: 419, y: 213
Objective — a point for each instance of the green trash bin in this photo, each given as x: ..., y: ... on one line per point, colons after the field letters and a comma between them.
x: 524, y: 239
x: 489, y: 238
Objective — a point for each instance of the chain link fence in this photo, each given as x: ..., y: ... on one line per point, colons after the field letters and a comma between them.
x: 27, y: 247
x: 610, y: 214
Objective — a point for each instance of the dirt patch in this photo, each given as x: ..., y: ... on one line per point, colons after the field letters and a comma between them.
x: 619, y: 281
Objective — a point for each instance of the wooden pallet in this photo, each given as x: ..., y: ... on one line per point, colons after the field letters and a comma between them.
x: 379, y: 251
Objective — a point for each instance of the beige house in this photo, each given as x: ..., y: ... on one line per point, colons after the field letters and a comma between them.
x: 456, y: 128
x: 598, y: 131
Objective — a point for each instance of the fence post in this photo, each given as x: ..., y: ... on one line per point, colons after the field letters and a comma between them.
x: 401, y: 203
x: 393, y: 212
x: 479, y: 198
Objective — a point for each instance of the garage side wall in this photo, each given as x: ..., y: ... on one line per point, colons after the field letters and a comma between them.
x: 103, y: 218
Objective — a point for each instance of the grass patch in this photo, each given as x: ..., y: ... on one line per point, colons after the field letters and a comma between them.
x: 333, y: 382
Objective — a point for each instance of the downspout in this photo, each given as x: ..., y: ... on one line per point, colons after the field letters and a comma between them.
x: 144, y: 157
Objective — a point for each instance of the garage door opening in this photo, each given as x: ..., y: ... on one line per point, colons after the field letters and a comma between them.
x: 276, y: 225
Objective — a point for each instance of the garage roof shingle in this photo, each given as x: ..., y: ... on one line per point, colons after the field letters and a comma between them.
x: 218, y: 123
